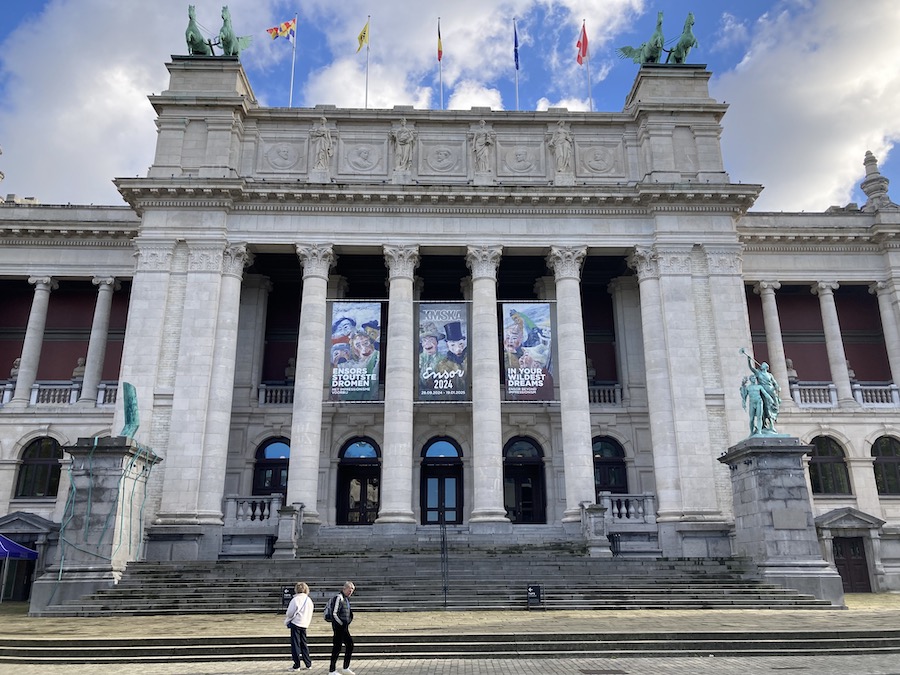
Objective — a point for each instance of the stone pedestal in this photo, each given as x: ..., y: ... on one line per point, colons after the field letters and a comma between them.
x: 773, y: 517
x: 102, y: 528
x: 593, y: 526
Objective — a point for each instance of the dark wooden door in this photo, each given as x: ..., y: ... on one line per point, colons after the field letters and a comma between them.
x: 850, y: 560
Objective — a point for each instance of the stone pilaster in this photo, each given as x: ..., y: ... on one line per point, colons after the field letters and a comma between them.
x: 834, y: 343
x: 629, y: 338
x: 306, y: 424
x: 34, y: 339
x: 488, y: 512
x: 399, y: 384
x: 96, y: 353
x: 573, y: 389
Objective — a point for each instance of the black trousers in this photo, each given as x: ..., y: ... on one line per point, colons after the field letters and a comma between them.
x: 341, y: 637
x: 299, y: 646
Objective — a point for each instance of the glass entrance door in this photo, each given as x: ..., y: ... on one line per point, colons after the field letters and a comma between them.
x: 440, y: 495
x: 523, y: 493
x: 358, y: 495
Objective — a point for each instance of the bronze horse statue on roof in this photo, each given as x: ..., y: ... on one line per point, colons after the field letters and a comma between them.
x: 196, y: 43
x: 648, y: 52
x: 687, y: 41
x: 231, y: 44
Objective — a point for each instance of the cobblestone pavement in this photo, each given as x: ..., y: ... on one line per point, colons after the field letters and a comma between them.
x: 887, y: 664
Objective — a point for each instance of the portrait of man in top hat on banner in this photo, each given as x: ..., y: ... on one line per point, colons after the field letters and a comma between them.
x: 443, y: 352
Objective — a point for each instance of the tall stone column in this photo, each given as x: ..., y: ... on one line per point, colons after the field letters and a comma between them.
x: 834, y: 343
x: 306, y: 424
x: 645, y: 262
x: 221, y: 386
x: 399, y: 384
x: 882, y: 291
x: 488, y: 511
x: 774, y: 342
x: 629, y: 338
x: 575, y: 412
x: 34, y: 339
x: 96, y: 354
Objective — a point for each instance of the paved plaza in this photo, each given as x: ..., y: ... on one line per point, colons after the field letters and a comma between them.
x: 866, y: 612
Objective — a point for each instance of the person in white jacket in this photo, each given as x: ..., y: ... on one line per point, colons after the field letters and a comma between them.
x: 298, y: 617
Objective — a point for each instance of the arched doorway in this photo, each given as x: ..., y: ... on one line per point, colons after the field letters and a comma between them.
x: 358, y: 483
x: 523, y: 481
x: 442, y: 482
x: 270, y: 472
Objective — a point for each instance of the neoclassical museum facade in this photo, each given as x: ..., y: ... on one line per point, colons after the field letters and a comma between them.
x: 351, y: 327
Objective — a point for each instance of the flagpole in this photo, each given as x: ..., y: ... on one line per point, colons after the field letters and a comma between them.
x: 588, y: 55
x: 516, y: 34
x: 368, y: 38
x: 293, y: 61
x: 440, y: 65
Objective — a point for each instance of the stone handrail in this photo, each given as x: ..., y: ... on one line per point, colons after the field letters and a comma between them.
x: 259, y: 512
x: 623, y: 510
x: 605, y: 394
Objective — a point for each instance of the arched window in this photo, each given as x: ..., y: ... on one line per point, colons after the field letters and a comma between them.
x: 609, y: 467
x: 358, y: 483
x: 40, y: 469
x: 270, y: 473
x: 886, y: 451
x: 523, y: 481
x: 442, y: 483
x: 827, y: 470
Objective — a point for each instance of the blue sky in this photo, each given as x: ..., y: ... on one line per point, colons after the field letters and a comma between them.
x: 811, y: 84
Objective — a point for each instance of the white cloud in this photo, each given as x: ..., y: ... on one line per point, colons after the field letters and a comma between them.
x: 819, y: 87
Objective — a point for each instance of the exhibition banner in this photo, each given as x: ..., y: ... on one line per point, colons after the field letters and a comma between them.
x: 527, y: 351
x: 443, y: 351
x: 355, y: 350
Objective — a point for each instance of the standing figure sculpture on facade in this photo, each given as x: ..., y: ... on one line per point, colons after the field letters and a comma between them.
x: 769, y: 398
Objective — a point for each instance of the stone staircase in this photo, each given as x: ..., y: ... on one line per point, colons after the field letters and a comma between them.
x: 476, y: 580
x: 511, y: 645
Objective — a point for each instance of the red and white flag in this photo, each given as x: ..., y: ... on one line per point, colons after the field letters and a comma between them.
x: 582, y: 46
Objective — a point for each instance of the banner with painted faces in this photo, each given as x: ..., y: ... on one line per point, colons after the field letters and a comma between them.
x: 355, y: 350
x: 527, y: 351
x: 443, y: 331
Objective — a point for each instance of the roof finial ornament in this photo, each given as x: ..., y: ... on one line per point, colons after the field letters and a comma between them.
x: 875, y: 186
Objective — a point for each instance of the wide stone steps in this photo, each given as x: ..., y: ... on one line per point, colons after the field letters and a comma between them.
x: 414, y: 583
x: 58, y: 650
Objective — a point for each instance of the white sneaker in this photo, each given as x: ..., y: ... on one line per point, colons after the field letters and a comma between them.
x: 333, y: 672
x: 347, y: 671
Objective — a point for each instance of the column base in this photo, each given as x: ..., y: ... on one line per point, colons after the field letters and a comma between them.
x: 402, y: 517
x: 488, y: 516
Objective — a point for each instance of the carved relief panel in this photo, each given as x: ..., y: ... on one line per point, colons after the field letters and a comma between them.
x: 363, y: 154
x: 281, y: 155
x: 442, y: 158
x: 602, y: 158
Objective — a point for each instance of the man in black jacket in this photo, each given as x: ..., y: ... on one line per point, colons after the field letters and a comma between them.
x: 342, y: 616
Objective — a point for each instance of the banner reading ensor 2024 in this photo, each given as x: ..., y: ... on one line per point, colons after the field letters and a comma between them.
x: 443, y: 352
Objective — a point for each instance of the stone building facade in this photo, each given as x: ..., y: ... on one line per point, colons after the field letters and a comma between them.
x: 613, y: 247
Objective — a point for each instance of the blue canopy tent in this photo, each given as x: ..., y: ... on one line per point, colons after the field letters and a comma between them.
x: 10, y: 549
